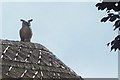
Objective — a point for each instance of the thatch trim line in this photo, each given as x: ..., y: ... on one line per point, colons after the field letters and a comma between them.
x: 30, y: 66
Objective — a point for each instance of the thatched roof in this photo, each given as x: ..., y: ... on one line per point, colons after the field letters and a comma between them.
x: 32, y: 60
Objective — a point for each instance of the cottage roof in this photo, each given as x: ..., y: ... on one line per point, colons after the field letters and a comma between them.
x: 32, y: 60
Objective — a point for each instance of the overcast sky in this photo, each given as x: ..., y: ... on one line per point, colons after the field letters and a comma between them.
x: 71, y: 30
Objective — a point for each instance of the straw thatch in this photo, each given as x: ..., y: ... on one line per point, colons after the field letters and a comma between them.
x: 26, y: 60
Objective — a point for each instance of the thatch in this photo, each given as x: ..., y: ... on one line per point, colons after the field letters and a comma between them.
x: 27, y: 60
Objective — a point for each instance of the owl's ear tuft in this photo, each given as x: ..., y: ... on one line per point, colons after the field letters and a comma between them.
x: 21, y: 20
x: 30, y: 20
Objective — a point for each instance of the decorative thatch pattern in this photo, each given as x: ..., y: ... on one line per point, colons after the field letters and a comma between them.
x: 32, y: 60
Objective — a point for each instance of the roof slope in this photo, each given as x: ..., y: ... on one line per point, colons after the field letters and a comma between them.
x: 32, y: 60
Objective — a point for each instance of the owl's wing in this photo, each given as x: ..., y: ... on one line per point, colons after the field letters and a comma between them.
x: 21, y: 35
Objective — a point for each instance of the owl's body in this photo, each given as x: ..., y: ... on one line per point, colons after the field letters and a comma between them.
x: 25, y: 31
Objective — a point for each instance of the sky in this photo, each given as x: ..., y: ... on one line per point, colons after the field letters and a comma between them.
x: 71, y: 30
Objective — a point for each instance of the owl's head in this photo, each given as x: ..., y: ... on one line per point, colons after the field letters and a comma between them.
x: 26, y: 23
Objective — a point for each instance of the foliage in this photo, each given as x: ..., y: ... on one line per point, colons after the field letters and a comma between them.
x: 113, y: 15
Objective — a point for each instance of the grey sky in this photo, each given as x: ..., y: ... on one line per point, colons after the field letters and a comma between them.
x: 71, y: 30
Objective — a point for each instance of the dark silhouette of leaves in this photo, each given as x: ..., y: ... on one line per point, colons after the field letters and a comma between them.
x: 115, y: 44
x: 110, y: 5
x: 101, y: 6
x: 107, y: 5
x: 113, y: 18
x: 104, y: 19
x: 117, y: 24
x: 108, y: 44
x: 113, y: 15
x: 117, y: 38
x: 112, y: 42
x: 110, y: 14
x: 117, y: 8
x: 112, y: 48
